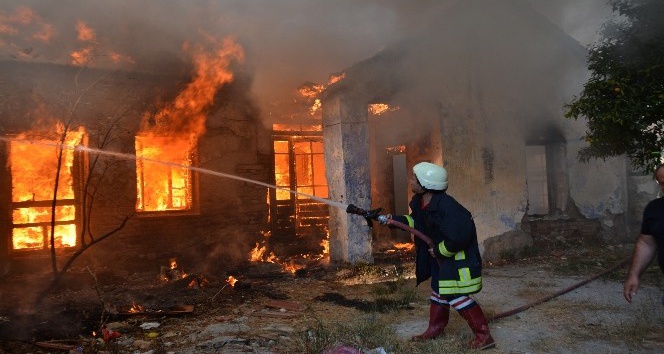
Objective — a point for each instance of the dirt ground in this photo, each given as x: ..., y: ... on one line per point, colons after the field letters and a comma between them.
x: 269, y: 310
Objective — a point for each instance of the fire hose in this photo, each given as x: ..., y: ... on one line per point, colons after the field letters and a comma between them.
x: 370, y: 215
x: 558, y: 293
x: 374, y: 214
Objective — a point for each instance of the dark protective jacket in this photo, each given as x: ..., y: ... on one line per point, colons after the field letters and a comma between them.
x: 653, y: 224
x: 452, y: 228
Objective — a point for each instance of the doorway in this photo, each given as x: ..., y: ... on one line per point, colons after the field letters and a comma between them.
x: 299, y: 223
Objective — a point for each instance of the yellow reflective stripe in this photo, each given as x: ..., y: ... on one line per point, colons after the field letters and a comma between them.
x: 411, y: 222
x: 460, y: 286
x: 464, y: 274
x: 443, y: 250
x: 466, y: 290
x: 460, y: 256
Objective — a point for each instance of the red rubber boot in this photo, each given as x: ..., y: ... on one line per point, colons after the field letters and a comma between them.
x: 480, y: 326
x: 439, y: 315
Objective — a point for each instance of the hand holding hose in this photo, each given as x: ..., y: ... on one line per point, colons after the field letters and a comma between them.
x: 384, y: 219
x: 369, y: 215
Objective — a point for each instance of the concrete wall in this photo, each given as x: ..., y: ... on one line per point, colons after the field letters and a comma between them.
x: 492, y: 79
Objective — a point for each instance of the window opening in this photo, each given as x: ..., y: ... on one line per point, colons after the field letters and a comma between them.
x: 299, y: 166
x: 33, y: 168
x: 161, y: 184
x: 310, y: 169
x: 282, y: 169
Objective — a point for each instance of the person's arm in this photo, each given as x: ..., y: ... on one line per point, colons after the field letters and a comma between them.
x: 644, y: 252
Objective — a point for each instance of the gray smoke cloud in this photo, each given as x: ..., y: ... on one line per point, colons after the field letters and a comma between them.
x: 582, y: 20
x: 287, y: 42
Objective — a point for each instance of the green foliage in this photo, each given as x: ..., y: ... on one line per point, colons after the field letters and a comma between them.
x: 623, y: 100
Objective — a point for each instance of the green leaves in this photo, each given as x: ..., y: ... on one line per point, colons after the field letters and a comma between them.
x: 623, y: 100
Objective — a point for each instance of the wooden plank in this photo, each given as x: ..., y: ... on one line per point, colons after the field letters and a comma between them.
x: 42, y: 203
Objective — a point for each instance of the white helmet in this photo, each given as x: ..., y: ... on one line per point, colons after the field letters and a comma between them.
x: 431, y: 176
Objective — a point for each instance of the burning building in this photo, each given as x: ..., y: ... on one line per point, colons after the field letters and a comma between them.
x: 165, y: 157
x: 148, y: 179
x: 173, y: 164
x: 480, y: 90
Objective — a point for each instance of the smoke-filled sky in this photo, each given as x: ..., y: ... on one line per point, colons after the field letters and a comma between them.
x: 287, y: 42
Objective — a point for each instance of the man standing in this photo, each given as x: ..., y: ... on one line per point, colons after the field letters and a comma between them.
x: 454, y: 263
x: 650, y: 242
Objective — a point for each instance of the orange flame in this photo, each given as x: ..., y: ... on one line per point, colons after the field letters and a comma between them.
x: 185, y: 117
x: 85, y: 33
x: 172, y: 133
x: 380, y: 108
x: 325, y: 243
x: 135, y: 308
x: 23, y: 16
x: 256, y: 254
x: 32, y: 190
x: 311, y: 90
x: 404, y: 246
x: 315, y: 107
x: 396, y: 149
x: 291, y: 267
x: 198, y: 282
x: 159, y: 186
x: 172, y: 272
x: 231, y: 280
x: 334, y: 78
x: 82, y: 56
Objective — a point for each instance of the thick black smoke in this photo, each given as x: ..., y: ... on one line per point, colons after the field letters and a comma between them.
x: 287, y: 42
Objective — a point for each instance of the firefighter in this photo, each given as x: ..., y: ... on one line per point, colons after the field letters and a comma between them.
x: 454, y: 264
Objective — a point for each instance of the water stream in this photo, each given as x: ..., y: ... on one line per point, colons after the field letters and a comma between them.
x: 192, y: 168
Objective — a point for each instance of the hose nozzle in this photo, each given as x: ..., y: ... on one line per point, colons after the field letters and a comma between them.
x: 369, y: 215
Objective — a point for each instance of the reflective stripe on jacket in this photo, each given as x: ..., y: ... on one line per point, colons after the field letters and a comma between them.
x: 452, y: 228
